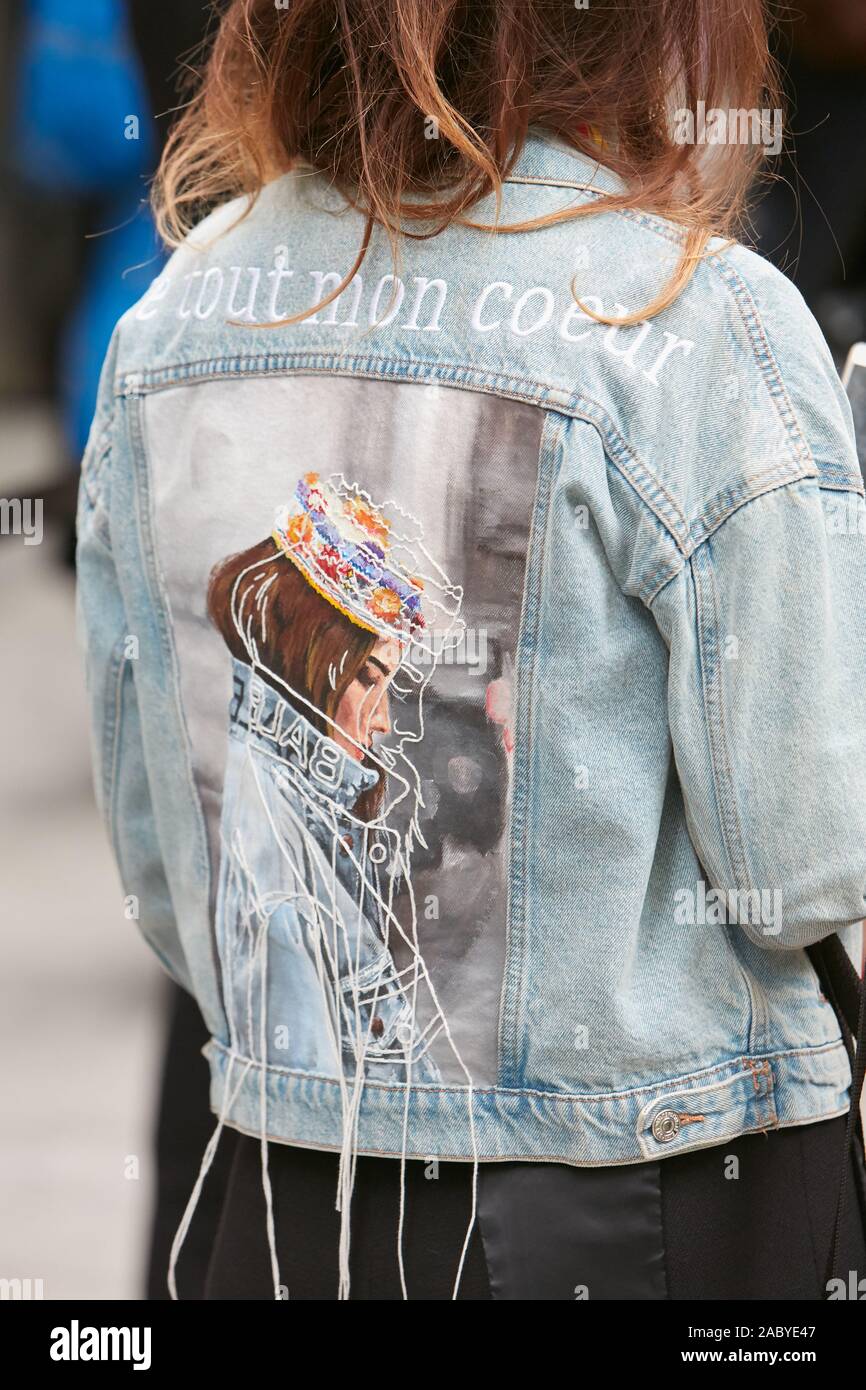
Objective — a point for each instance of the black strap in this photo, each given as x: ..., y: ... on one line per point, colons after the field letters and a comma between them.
x: 847, y: 994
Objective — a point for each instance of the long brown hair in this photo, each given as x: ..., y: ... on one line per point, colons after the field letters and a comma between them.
x: 356, y: 88
x: 298, y: 635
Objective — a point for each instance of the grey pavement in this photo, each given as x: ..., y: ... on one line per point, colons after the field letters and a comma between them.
x: 80, y: 994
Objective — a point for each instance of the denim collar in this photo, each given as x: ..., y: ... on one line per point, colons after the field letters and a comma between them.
x: 549, y: 158
x: 544, y: 158
x: 277, y: 721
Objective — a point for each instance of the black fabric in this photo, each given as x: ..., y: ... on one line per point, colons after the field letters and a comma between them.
x: 847, y: 993
x: 554, y: 1232
x: 748, y: 1219
x: 184, y: 1124
x: 681, y: 1228
x: 765, y: 1234
x: 307, y: 1228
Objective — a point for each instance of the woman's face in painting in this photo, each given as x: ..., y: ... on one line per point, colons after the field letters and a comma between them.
x: 363, y: 708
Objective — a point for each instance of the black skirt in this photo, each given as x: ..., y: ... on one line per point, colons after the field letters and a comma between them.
x: 748, y: 1219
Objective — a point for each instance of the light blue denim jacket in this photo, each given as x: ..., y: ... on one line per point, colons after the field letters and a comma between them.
x: 628, y: 785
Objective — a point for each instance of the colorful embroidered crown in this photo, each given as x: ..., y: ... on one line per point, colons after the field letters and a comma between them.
x: 341, y: 541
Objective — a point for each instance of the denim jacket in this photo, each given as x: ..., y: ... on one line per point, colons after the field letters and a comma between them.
x: 624, y: 782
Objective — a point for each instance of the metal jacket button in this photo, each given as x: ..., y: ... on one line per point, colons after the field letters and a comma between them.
x: 666, y: 1126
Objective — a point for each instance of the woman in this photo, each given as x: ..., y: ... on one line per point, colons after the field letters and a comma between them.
x: 547, y: 711
x: 317, y: 624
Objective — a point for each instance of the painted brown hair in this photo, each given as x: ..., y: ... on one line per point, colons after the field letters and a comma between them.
x: 300, y: 637
x: 353, y: 88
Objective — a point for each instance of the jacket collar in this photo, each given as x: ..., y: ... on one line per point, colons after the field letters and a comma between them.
x: 549, y: 158
x: 276, y: 720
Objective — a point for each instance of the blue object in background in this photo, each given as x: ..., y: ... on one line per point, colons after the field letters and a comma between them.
x: 83, y: 127
x: 83, y: 119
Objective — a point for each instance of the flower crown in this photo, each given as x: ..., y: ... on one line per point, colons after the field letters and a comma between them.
x: 341, y: 542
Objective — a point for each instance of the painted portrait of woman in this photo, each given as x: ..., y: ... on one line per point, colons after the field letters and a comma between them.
x: 320, y: 619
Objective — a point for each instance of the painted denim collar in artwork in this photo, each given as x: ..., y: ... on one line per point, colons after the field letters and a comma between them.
x: 274, y: 719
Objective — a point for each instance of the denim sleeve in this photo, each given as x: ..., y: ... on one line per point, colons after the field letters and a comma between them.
x: 766, y: 626
x: 120, y: 774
